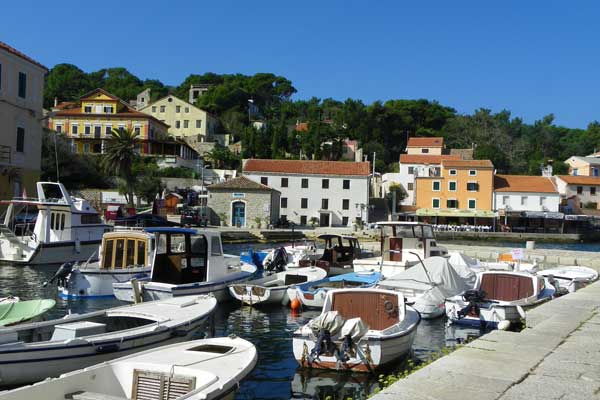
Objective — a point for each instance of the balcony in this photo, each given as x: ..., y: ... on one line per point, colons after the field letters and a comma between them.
x: 5, y: 155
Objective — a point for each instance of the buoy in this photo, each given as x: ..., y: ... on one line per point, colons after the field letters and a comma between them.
x: 503, y: 325
x: 295, y: 305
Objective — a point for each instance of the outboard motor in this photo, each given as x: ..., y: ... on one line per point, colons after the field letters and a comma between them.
x: 61, y: 274
x: 473, y: 297
x: 279, y: 261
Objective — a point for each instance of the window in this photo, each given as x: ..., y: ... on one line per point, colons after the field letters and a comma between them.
x: 137, y: 129
x: 74, y: 129
x: 119, y: 253
x: 22, y: 85
x: 87, y: 109
x: 411, y: 170
x: 452, y: 172
x: 325, y: 184
x: 579, y: 189
x: 593, y: 191
x: 575, y: 171
x: 542, y: 201
x: 324, y: 204
x: 86, y: 147
x: 437, y: 186
x: 594, y: 171
x: 187, y: 110
x: 20, y: 140
x: 59, y: 128
x: 97, y: 130
x: 87, y: 129
x: 472, y: 172
x: 451, y: 203
x: 198, y: 123
x: 130, y: 257
x: 303, y: 220
x: 177, y: 244
x: 472, y: 204
x: 141, y: 252
x: 170, y: 100
x: 303, y: 203
x: 177, y: 124
x: 345, y: 221
x: 452, y: 186
x: 409, y: 186
x: 435, y: 203
x: 177, y: 109
x: 108, y: 109
x: 304, y: 184
x: 97, y: 148
x: 106, y: 261
x: 346, y: 184
x: 424, y: 151
x: 284, y: 182
x: 264, y: 180
x: 107, y: 130
x: 472, y: 186
x: 153, y: 109
x: 215, y: 246
x: 186, y: 123
x: 284, y: 202
x: 523, y: 200
x: 505, y: 200
x: 162, y: 109
x: 345, y: 204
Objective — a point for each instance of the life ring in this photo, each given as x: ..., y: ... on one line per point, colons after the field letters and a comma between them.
x: 389, y: 307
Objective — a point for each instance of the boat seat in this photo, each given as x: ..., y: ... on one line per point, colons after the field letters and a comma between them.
x: 82, y: 395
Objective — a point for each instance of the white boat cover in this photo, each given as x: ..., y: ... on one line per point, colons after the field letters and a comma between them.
x: 462, y: 262
x: 330, y: 321
x: 445, y: 282
x: 355, y: 328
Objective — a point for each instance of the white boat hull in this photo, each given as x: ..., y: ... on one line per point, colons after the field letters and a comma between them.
x: 54, y: 253
x: 95, y: 282
x: 490, y: 314
x: 388, y: 269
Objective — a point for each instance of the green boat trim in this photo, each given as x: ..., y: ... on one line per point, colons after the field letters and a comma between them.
x: 12, y: 313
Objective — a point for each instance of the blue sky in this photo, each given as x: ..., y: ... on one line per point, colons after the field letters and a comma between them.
x: 530, y: 57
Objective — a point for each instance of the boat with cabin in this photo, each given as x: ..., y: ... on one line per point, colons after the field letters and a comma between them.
x: 65, y: 228
x: 339, y: 253
x: 402, y: 245
x: 186, y: 262
x: 36, y: 351
x: 359, y: 329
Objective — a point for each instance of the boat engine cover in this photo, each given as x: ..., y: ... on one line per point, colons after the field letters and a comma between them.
x: 330, y: 321
x: 355, y: 328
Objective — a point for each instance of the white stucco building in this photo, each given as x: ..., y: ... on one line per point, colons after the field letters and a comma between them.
x: 522, y: 193
x: 585, y: 190
x: 336, y: 193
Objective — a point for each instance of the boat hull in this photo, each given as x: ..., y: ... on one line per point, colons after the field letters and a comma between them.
x: 253, y: 295
x: 95, y: 282
x: 489, y: 316
x: 55, y: 253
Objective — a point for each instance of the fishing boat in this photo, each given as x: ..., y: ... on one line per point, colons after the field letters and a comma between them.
x: 339, y: 253
x: 358, y: 329
x: 32, y: 352
x: 14, y: 311
x: 198, y: 370
x: 125, y: 254
x: 273, y: 287
x: 186, y: 262
x: 312, y: 294
x: 498, y: 299
x: 65, y: 228
x: 570, y: 278
x: 402, y: 244
x: 428, y: 284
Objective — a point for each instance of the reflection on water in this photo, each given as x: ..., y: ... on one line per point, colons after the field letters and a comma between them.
x: 277, y: 375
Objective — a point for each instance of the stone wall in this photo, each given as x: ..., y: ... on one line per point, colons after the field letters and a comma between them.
x: 258, y: 204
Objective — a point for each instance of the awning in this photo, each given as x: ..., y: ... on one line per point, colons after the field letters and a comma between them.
x: 536, y: 214
x: 431, y: 212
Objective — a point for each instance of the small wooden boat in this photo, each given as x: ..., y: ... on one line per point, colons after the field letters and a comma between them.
x: 312, y: 294
x: 358, y: 330
x: 273, y: 287
x: 32, y: 352
x: 14, y: 312
x: 498, y: 299
x: 570, y: 278
x: 197, y: 370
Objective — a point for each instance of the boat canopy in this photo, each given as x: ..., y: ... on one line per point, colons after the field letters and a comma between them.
x: 430, y: 212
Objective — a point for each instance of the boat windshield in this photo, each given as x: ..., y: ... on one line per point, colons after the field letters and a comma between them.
x: 180, y: 258
x: 409, y: 231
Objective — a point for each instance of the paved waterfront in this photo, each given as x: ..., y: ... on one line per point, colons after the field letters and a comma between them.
x: 557, y: 356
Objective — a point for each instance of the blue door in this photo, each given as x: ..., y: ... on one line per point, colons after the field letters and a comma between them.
x: 238, y: 213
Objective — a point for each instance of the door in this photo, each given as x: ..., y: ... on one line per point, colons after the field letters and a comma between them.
x: 324, y: 219
x: 238, y: 214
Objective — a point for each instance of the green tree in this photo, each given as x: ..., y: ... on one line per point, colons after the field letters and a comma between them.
x: 119, y: 157
x: 65, y: 82
x: 222, y: 157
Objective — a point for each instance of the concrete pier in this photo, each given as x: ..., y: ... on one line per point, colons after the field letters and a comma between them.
x: 557, y: 356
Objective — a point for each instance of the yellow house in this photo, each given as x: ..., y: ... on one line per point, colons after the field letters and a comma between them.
x: 464, y: 188
x: 584, y: 166
x: 425, y: 145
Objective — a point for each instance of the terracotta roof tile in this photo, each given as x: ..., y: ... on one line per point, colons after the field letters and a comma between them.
x: 301, y: 127
x: 17, y: 53
x: 425, y: 142
x: 304, y: 167
x: 468, y: 163
x: 241, y: 182
x: 580, y: 180
x: 524, y: 183
x: 426, y: 158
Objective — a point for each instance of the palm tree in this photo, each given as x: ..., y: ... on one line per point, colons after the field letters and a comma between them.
x: 119, y: 155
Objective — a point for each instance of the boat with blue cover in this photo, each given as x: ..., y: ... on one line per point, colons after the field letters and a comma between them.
x: 313, y: 294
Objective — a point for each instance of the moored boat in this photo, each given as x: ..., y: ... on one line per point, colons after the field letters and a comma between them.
x: 570, y: 278
x: 14, y: 311
x: 358, y: 330
x: 339, y: 253
x: 200, y: 369
x: 32, y: 352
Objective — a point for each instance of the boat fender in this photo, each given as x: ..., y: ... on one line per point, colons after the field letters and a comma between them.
x: 504, y: 325
x: 107, y: 348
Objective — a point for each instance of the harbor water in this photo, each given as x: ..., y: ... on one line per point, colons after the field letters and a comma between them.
x: 277, y: 375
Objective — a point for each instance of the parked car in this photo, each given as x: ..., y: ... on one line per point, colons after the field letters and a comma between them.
x: 193, y: 216
x: 145, y: 220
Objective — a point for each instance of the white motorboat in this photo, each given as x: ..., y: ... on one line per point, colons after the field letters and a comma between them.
x: 32, y: 352
x: 65, y: 228
x: 200, y: 369
x: 498, y: 299
x: 403, y: 243
x: 293, y: 256
x: 358, y: 330
x: 124, y: 254
x: 428, y: 284
x: 273, y: 287
x: 186, y: 262
x: 339, y: 253
x: 570, y: 278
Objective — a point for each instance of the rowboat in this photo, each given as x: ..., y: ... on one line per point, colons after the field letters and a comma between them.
x: 200, y: 369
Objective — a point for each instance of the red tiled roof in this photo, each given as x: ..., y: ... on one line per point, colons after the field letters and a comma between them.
x: 468, y: 163
x: 523, y: 183
x: 303, y: 167
x: 240, y: 182
x: 301, y: 127
x: 580, y: 180
x: 17, y: 53
x: 426, y: 158
x: 425, y: 142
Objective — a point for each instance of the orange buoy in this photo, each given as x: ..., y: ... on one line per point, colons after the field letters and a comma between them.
x: 295, y: 305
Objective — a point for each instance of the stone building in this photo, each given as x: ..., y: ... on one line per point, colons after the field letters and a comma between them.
x: 242, y: 202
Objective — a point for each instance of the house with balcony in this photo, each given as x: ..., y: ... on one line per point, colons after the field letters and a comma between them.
x: 21, y: 100
x: 579, y: 192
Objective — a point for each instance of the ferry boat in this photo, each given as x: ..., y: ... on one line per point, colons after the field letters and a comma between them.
x: 403, y: 244
x: 186, y: 262
x: 65, y: 228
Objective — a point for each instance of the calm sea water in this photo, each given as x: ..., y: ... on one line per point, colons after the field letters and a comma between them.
x: 277, y: 375
x: 538, y: 245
